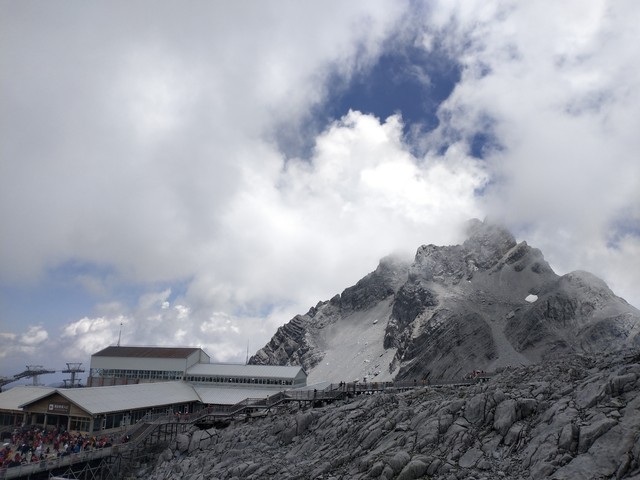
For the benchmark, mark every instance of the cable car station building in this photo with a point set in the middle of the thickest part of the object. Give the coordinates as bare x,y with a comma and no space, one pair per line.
126,383
117,365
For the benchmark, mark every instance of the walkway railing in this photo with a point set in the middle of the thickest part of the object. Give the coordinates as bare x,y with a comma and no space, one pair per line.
150,422
28,469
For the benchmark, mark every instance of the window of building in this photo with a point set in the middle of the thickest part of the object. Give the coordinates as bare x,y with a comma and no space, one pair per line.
80,424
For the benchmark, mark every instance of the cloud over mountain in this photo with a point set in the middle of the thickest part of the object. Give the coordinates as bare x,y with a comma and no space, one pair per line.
152,150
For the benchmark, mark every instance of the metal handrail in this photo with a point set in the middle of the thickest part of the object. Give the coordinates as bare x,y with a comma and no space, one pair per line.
150,422
57,462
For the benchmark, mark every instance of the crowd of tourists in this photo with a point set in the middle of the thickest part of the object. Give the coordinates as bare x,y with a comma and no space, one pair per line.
35,444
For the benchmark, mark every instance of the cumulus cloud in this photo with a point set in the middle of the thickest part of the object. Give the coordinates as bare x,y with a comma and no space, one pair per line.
34,336
560,103
146,116
296,233
361,182
20,349
137,155
88,335
6,340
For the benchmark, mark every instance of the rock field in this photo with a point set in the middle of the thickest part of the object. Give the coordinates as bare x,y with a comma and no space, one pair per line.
573,417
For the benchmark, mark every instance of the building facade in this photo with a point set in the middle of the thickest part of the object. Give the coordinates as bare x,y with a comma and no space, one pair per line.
126,383
116,365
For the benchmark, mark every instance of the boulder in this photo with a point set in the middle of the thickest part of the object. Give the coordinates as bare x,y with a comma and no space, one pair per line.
412,470
590,433
182,442
505,416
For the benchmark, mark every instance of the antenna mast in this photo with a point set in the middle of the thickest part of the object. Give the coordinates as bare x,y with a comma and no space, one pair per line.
120,334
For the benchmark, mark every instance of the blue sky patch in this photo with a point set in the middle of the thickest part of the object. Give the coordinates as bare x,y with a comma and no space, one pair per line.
626,226
66,288
406,80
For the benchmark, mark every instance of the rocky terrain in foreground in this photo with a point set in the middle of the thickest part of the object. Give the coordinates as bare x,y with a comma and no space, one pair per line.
574,417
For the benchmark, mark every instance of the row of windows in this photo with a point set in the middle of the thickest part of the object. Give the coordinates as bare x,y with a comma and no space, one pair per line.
120,419
241,380
10,418
141,374
81,424
177,375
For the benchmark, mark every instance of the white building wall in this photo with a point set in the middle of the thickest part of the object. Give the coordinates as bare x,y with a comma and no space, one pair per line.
197,357
134,363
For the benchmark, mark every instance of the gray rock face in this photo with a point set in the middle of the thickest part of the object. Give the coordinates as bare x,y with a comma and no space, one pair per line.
453,310
528,422
409,302
299,341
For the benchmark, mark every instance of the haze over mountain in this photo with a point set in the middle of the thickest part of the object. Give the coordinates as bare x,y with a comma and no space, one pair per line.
487,303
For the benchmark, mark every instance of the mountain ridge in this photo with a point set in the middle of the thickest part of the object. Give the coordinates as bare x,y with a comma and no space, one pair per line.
487,303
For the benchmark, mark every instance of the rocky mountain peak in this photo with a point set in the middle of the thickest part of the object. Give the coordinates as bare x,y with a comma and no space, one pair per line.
487,242
376,286
487,303
487,246
587,283
488,233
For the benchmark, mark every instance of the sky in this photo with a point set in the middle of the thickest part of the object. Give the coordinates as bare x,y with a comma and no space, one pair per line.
196,174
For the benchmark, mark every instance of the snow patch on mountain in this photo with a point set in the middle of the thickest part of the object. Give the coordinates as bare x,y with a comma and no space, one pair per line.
353,348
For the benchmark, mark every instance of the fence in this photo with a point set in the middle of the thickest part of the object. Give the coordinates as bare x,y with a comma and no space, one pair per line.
147,425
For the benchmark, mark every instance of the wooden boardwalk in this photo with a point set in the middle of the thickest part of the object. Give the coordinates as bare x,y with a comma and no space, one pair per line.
155,429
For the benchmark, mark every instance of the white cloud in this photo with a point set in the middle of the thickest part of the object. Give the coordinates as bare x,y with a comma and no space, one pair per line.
149,118
154,300
17,350
294,236
319,211
81,338
143,146
562,100
34,336
7,341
